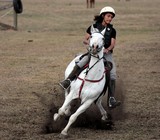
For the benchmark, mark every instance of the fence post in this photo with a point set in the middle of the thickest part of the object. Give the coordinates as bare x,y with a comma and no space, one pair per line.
18,8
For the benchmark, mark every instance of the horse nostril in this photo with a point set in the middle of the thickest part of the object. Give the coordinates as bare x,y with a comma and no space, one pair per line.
94,46
97,47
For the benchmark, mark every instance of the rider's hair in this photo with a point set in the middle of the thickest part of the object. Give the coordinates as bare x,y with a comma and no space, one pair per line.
98,18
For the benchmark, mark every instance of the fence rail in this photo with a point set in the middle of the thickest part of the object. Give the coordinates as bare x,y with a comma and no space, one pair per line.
6,0
6,7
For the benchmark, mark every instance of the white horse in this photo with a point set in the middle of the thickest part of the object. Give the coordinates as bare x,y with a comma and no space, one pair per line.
90,83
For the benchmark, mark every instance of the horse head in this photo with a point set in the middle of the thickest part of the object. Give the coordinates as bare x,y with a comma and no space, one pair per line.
96,43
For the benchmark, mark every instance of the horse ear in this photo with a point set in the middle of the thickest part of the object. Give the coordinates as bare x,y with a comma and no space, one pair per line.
94,30
103,32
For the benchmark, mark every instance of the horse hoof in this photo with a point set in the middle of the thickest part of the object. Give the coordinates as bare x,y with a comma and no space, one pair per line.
103,118
55,116
63,135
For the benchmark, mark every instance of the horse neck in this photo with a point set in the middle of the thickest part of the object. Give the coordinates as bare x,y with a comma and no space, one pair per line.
96,67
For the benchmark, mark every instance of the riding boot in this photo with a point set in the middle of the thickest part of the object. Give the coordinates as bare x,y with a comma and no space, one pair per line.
66,83
111,91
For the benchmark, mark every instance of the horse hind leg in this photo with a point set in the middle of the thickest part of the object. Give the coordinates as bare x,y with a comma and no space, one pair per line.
106,120
102,110
74,116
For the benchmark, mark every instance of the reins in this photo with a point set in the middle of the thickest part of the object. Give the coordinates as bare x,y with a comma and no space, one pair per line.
88,69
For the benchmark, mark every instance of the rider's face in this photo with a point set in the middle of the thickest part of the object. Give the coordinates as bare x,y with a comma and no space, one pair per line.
107,18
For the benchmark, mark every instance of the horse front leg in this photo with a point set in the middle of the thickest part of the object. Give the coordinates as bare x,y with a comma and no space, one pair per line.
102,110
68,111
65,109
74,116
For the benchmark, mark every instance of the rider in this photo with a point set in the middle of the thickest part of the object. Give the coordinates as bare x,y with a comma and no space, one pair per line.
102,21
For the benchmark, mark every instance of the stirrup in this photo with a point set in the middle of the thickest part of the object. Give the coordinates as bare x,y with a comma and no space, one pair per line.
65,84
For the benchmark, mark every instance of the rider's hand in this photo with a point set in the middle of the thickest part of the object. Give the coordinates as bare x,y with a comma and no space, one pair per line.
106,51
86,42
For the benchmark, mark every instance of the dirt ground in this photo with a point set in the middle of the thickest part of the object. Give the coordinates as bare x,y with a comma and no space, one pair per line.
33,60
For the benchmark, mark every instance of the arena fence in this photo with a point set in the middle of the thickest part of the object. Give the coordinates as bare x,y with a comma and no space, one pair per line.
8,6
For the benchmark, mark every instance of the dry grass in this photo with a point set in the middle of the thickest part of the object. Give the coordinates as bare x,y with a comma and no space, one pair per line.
50,33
